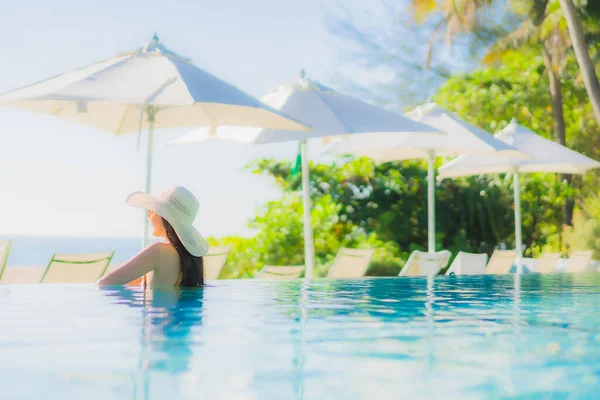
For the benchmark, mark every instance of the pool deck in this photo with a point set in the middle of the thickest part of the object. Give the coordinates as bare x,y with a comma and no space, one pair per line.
28,274
21,275
33,274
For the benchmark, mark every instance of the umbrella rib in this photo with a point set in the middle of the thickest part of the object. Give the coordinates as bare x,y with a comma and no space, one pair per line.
59,75
120,125
160,89
346,127
58,110
208,114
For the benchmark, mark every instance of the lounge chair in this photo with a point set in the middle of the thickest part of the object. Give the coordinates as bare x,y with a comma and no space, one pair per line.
350,263
5,246
546,263
76,268
214,261
579,261
468,264
501,262
422,263
280,273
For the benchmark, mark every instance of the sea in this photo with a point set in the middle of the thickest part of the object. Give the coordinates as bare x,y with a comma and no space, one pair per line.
37,250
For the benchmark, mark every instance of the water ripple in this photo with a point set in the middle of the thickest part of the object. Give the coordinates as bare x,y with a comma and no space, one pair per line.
477,337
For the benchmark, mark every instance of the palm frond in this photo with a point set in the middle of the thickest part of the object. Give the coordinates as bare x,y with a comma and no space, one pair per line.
524,34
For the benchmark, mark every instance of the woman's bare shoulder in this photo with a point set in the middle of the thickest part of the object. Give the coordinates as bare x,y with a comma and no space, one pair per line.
155,256
164,252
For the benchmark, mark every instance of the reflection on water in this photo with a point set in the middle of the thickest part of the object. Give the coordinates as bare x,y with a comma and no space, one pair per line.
168,316
475,337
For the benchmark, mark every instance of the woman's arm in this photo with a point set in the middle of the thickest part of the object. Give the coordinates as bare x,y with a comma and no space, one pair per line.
142,263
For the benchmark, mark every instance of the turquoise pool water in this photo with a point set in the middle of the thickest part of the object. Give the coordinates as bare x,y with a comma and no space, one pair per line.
478,337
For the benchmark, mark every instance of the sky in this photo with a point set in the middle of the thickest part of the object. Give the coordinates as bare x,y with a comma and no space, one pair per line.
63,179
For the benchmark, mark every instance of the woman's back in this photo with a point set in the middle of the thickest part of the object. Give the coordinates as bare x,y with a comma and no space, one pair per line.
167,271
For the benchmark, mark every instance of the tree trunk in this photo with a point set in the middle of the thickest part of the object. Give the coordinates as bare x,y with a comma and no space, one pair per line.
559,119
568,205
582,54
557,98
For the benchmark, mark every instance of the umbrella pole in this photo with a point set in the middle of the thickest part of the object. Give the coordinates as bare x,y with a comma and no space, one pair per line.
151,114
431,202
518,231
309,246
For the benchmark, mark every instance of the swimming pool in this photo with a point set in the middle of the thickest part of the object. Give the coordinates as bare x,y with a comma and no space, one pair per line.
475,337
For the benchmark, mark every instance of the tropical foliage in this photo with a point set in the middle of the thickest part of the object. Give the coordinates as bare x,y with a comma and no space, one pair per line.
528,71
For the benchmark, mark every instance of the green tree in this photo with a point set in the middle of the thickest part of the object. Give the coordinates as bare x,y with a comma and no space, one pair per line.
490,98
381,38
542,29
476,29
389,200
585,234
518,88
545,21
279,238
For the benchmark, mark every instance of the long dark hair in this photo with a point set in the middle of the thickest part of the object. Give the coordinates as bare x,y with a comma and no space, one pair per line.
192,267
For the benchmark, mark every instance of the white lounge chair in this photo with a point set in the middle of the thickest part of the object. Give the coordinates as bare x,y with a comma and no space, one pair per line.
214,261
468,264
501,262
280,273
579,261
350,263
546,263
5,246
76,268
422,263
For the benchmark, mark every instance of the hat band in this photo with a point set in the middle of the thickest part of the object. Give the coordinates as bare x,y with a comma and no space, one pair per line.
177,213
179,206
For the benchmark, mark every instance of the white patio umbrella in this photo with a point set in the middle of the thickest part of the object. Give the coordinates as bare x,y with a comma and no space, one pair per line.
329,114
545,156
147,88
460,138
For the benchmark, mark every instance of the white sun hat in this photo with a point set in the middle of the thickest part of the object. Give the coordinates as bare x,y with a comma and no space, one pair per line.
179,207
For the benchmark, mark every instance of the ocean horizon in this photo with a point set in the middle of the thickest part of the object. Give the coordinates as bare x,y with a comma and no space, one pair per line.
37,250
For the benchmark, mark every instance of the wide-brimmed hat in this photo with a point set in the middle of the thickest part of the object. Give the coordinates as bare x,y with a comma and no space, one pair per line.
179,207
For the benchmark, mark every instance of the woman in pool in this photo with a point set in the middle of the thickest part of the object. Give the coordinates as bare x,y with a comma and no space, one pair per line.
178,260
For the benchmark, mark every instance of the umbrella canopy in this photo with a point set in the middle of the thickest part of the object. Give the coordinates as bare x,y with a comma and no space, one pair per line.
329,114
545,156
460,138
110,95
147,88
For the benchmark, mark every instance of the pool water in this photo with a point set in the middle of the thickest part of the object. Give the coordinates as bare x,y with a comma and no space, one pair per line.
478,337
